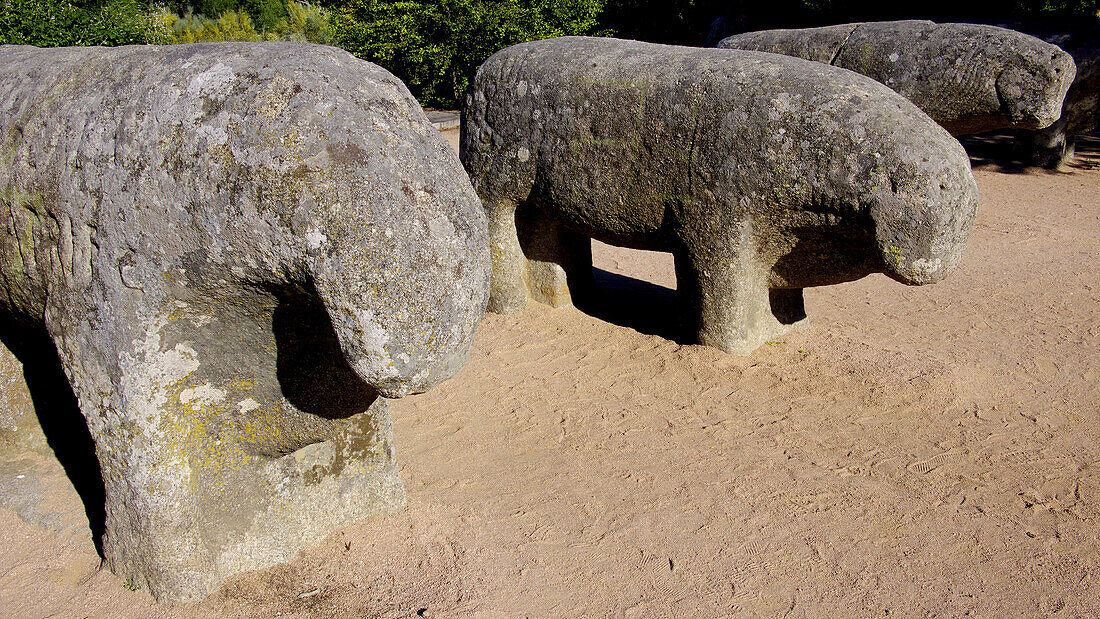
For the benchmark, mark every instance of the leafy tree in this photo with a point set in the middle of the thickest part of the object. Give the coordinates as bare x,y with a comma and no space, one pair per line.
303,23
51,23
229,26
266,14
435,46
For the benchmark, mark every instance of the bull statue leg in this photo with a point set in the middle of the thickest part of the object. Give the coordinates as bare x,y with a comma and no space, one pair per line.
535,257
558,260
723,281
508,288
1048,148
236,423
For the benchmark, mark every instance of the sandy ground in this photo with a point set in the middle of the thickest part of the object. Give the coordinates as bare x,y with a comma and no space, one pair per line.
914,451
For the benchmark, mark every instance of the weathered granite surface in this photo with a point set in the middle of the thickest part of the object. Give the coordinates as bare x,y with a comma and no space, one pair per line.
238,251
1054,145
19,428
970,78
762,174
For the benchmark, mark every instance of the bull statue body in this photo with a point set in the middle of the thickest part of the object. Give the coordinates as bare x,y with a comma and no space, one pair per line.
970,78
762,174
238,250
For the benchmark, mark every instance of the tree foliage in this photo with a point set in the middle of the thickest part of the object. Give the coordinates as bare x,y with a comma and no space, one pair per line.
306,24
52,23
265,14
303,23
437,45
229,26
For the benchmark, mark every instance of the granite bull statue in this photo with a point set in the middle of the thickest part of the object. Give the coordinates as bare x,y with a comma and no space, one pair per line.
969,78
763,174
1056,144
238,250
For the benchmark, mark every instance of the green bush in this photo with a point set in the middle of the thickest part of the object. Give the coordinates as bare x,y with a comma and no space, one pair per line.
303,23
52,23
435,46
229,26
265,14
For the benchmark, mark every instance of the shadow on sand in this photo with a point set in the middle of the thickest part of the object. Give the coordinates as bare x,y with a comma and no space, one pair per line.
59,415
634,303
996,150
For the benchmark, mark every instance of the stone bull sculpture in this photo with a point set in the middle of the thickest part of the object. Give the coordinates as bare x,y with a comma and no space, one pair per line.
762,174
238,250
1056,144
969,78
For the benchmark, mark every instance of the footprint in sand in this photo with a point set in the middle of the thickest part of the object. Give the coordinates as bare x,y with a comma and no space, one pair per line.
930,464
